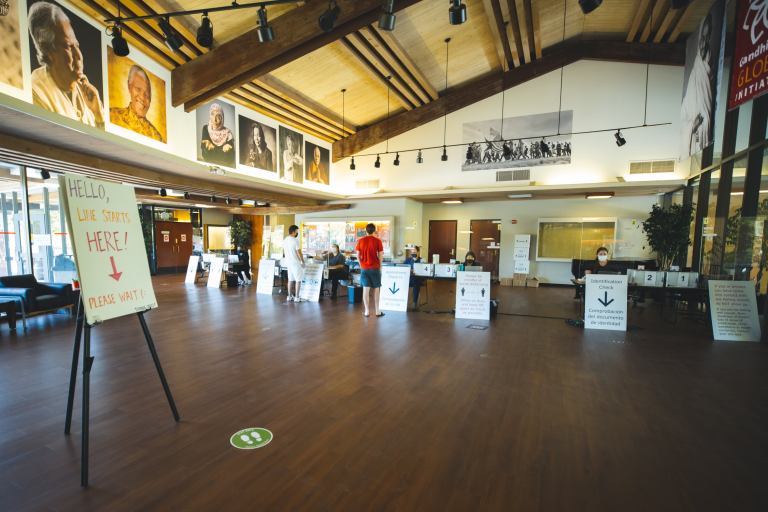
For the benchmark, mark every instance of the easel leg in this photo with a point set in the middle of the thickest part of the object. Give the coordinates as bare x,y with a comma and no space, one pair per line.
73,372
151,345
87,363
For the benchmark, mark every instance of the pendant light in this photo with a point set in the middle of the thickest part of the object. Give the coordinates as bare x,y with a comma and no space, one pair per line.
444,157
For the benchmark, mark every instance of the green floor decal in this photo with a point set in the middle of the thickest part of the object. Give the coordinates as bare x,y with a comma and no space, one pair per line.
250,438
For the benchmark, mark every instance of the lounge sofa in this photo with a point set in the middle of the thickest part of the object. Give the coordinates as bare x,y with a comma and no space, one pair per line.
35,298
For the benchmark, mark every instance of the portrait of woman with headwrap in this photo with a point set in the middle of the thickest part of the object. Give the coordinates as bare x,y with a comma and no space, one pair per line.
217,142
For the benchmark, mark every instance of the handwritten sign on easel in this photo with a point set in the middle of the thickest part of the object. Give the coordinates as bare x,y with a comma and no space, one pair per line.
109,249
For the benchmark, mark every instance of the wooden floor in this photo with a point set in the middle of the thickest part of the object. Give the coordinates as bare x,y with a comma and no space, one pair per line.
407,413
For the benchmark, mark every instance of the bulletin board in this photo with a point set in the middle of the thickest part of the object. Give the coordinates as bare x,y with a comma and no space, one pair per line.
565,239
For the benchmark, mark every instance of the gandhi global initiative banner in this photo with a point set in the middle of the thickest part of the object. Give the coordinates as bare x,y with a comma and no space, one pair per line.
749,71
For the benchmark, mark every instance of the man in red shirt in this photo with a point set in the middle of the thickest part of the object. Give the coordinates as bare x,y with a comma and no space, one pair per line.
370,254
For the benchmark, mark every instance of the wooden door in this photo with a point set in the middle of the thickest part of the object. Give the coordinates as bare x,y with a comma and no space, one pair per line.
183,238
442,240
165,248
485,235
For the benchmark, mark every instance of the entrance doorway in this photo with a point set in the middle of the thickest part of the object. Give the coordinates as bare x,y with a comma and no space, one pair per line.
174,245
442,239
484,242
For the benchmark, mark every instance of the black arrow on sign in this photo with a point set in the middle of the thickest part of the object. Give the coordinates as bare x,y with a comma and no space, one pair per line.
605,302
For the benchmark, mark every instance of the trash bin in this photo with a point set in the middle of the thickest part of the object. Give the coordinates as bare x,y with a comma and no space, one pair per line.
354,294
494,307
232,280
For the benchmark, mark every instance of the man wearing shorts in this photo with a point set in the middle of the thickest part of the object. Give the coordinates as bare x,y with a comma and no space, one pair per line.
370,254
295,262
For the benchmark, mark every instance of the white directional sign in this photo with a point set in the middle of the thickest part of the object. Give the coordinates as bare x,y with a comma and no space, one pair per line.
394,288
605,304
522,266
734,311
312,282
191,269
266,277
473,295
109,247
214,272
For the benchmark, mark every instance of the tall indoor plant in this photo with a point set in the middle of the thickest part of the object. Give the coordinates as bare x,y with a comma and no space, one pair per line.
241,233
668,233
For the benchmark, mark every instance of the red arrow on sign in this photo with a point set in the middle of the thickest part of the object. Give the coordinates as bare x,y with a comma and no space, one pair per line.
115,274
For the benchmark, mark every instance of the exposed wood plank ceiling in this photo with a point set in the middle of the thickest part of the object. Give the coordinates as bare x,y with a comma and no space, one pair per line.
500,35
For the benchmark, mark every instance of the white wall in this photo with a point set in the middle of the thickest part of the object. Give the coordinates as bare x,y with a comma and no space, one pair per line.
527,213
602,95
216,217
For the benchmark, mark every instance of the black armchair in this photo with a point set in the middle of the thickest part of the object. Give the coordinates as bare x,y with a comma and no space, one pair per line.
34,297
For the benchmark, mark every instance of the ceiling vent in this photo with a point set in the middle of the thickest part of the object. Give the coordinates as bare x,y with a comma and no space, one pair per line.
652,167
367,184
515,175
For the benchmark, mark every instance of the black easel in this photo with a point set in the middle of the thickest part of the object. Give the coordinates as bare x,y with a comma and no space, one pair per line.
83,330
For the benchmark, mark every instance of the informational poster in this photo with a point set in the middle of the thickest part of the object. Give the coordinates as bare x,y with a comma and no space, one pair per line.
108,246
749,73
312,282
191,269
521,253
522,266
522,240
605,303
473,295
734,311
265,279
214,272
394,288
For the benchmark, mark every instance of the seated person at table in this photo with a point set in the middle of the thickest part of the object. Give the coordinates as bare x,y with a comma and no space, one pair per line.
414,256
337,268
469,259
602,264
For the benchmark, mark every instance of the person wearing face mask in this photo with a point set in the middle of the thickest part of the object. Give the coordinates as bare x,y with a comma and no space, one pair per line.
470,259
60,84
415,282
602,263
337,268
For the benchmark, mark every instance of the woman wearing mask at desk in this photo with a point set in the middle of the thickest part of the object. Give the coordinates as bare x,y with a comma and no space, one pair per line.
602,263
336,268
414,256
469,259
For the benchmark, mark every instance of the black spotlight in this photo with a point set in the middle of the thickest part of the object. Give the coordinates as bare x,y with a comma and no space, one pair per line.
119,44
163,192
205,32
328,19
240,202
172,38
587,6
377,164
397,159
352,166
457,12
387,18
213,199
228,201
186,195
419,159
620,140
266,34
679,4
45,174
444,158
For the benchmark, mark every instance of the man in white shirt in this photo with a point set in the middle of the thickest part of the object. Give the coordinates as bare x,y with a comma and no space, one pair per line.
295,263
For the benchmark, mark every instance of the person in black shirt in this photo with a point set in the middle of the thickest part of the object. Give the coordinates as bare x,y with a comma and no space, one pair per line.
416,281
469,259
602,264
337,268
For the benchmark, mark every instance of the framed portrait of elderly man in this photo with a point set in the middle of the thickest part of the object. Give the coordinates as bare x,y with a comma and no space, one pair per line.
136,97
291,157
216,133
258,144
65,58
10,45
317,164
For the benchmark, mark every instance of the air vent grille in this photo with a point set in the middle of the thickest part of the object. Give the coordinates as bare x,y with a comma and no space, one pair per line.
652,167
515,175
367,184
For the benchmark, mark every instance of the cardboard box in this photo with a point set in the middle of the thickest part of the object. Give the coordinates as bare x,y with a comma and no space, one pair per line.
519,279
532,282
506,281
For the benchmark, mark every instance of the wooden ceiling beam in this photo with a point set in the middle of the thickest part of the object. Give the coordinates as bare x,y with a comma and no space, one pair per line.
640,15
151,195
296,34
514,27
657,13
406,62
530,31
535,26
665,24
499,32
676,30
483,87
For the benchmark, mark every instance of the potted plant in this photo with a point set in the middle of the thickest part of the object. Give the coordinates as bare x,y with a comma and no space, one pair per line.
668,233
241,234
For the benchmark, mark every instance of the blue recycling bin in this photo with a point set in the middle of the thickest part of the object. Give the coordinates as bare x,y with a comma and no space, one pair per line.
354,294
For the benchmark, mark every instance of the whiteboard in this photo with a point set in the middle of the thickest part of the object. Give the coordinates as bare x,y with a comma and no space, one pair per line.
108,244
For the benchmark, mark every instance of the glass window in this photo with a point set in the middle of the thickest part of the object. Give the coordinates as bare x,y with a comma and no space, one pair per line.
694,195
710,261
14,246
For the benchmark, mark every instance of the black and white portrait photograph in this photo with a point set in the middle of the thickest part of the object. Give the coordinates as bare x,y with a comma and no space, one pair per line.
258,144
216,134
291,155
523,141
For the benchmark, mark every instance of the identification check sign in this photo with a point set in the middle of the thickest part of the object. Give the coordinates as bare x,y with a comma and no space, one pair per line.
605,304
109,249
394,288
266,277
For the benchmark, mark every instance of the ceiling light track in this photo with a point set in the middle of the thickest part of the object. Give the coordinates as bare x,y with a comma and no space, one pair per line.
204,10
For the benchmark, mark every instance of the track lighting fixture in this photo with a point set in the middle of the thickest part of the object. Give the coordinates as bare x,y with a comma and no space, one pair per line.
228,200
444,158
163,192
387,18
620,140
205,32
377,164
186,195
266,34
328,19
457,12
213,199
172,38
419,158
397,159
240,202
679,4
45,174
587,6
352,166
119,44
